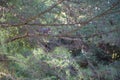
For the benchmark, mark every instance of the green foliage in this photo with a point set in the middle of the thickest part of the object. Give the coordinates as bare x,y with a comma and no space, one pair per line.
20,46
24,42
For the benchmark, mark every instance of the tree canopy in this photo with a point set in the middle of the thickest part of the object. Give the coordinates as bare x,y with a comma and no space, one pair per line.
59,39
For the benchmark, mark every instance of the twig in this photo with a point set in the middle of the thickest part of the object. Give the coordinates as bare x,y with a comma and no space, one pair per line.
33,17
59,36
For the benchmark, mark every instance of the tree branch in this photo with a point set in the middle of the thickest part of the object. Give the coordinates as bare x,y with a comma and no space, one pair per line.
33,17
81,23
95,17
59,36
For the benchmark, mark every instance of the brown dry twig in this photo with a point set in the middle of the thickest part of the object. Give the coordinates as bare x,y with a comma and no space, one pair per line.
33,17
59,36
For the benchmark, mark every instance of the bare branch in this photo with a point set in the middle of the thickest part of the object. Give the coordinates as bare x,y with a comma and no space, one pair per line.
33,17
95,17
81,23
26,35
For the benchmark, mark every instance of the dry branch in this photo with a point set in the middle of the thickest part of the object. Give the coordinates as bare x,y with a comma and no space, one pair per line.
33,17
59,36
